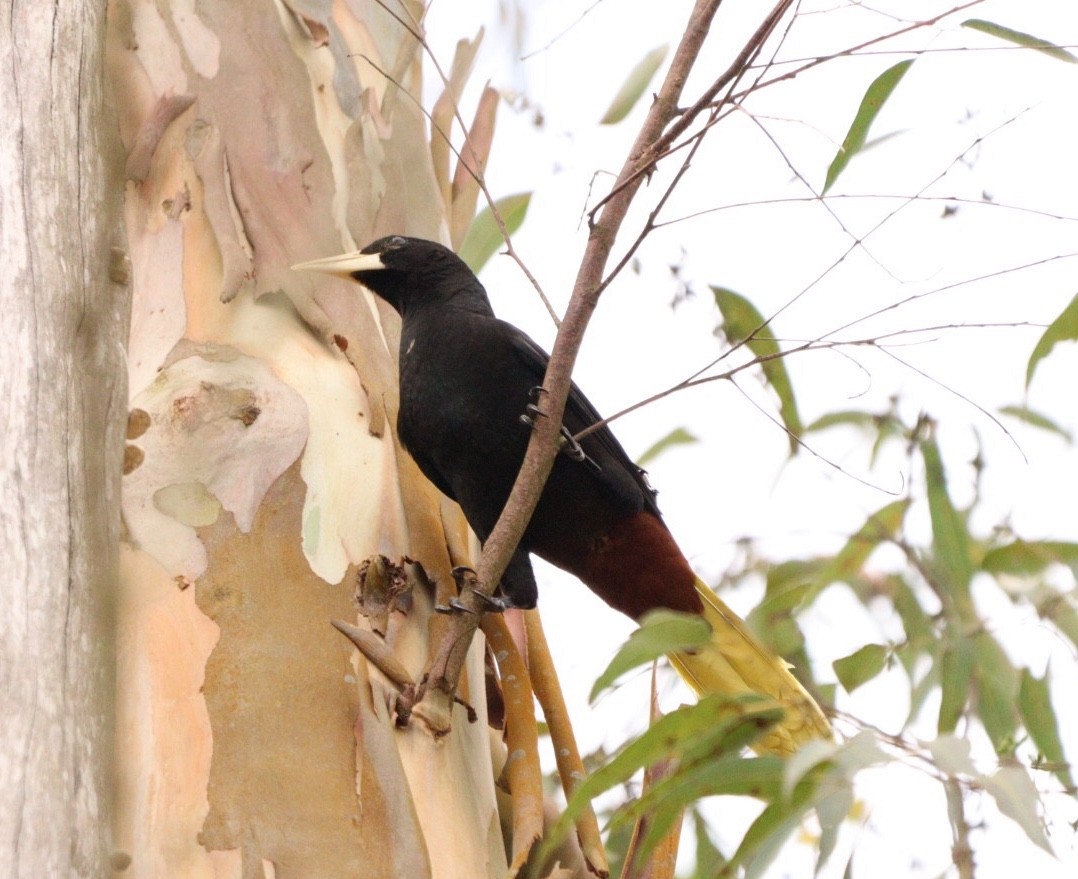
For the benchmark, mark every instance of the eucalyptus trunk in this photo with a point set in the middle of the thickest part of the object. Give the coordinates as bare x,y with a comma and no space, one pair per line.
262,474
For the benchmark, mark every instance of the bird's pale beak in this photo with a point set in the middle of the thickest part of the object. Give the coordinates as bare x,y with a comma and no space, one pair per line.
343,265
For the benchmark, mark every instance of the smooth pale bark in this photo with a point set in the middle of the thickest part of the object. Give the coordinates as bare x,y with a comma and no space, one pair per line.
63,302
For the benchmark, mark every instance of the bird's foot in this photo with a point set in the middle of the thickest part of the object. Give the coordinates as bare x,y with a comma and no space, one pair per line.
569,445
494,603
454,606
465,579
531,410
575,452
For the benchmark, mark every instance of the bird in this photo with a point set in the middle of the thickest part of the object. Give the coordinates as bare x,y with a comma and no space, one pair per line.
468,386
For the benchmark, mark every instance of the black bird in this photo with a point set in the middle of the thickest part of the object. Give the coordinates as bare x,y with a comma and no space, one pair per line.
466,378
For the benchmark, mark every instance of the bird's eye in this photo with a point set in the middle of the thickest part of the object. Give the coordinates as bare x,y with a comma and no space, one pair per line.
395,242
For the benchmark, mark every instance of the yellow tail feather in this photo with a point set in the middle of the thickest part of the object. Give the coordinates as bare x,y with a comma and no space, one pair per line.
735,663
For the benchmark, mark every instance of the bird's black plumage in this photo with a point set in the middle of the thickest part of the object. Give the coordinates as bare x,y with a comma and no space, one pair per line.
465,380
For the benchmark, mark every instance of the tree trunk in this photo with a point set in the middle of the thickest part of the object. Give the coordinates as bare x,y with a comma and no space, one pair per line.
62,383
263,475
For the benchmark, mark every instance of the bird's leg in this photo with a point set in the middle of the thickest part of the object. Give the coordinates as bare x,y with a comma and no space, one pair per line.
568,445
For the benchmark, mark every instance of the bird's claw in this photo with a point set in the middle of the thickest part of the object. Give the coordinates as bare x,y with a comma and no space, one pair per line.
494,603
461,574
569,445
466,579
575,452
455,606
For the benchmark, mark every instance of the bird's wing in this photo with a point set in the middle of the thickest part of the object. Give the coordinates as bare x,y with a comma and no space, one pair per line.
602,446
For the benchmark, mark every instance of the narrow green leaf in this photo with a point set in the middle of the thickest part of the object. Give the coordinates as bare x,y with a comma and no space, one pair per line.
660,632
767,834
997,691
484,237
733,775
1023,558
1039,718
716,725
845,418
1036,419
950,536
871,104
1063,329
1061,609
634,86
741,321
679,436
880,527
860,666
709,858
1019,38
956,674
1017,798
920,630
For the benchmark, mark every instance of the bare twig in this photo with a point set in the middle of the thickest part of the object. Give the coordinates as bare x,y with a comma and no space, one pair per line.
961,851
685,118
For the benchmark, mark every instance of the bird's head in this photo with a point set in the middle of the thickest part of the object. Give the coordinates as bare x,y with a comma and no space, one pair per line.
408,273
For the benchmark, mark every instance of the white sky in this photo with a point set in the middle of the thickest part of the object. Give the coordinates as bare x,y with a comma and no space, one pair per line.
737,481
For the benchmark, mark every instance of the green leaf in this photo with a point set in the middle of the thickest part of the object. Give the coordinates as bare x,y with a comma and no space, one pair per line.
860,666
1063,329
484,237
1039,718
997,691
1021,39
920,631
775,824
1017,798
1036,419
679,436
741,322
1023,558
709,859
950,537
733,775
1062,610
956,674
660,632
880,527
715,726
871,104
634,86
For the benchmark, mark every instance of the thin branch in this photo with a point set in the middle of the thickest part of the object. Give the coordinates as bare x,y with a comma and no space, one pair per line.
543,444
961,850
685,118
881,196
854,50
800,346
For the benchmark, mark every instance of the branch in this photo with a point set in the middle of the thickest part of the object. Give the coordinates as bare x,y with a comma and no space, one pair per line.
543,445
544,442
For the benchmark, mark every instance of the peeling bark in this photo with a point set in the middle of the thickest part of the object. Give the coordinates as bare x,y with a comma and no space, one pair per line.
253,739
